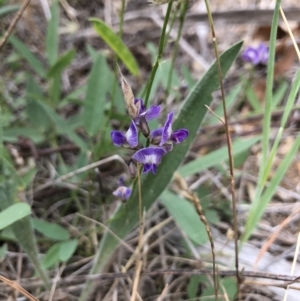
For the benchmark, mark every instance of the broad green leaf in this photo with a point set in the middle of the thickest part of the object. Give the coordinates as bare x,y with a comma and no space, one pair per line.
52,256
35,64
67,249
216,157
116,44
51,230
185,216
13,213
22,228
7,9
62,63
93,116
52,34
190,117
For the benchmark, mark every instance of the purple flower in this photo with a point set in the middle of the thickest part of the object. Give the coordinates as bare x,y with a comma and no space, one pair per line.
122,191
165,135
129,139
256,55
150,157
152,113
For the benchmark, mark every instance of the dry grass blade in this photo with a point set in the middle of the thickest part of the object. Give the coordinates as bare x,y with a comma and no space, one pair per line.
18,288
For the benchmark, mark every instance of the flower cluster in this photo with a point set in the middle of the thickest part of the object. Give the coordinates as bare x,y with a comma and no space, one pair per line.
256,55
161,139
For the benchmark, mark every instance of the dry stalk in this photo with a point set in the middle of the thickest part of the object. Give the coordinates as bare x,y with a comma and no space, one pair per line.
139,262
189,195
14,23
229,145
18,288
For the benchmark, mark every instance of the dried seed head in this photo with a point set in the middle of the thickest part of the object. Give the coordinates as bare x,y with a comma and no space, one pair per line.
133,109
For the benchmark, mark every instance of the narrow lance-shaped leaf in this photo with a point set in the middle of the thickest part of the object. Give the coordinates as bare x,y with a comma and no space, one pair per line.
190,117
35,64
93,115
22,229
52,34
62,63
13,213
116,44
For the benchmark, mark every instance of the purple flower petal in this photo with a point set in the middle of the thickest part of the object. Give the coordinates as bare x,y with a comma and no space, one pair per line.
142,106
152,113
156,133
122,192
263,51
167,129
118,138
132,135
251,55
150,157
179,135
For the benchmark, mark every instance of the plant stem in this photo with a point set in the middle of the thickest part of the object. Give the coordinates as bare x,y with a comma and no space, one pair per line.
229,145
160,51
184,7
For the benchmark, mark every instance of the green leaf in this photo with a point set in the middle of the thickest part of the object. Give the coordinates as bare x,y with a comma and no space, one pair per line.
93,117
52,256
67,249
28,55
185,216
51,230
36,115
13,213
259,205
52,34
22,228
190,117
13,134
3,250
116,44
62,63
216,157
7,9
62,126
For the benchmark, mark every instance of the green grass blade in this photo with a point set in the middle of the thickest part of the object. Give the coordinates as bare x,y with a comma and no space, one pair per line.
52,37
94,117
13,213
62,63
61,125
116,44
190,117
269,87
35,64
7,9
259,206
216,157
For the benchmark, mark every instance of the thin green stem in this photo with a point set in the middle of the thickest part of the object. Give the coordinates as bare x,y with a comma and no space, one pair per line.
266,126
184,6
160,51
269,88
230,154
